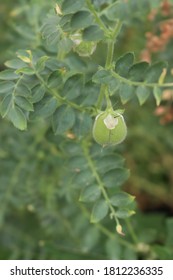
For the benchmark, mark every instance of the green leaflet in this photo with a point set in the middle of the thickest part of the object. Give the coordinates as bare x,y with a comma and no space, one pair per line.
17,117
38,93
5,87
23,103
123,64
15,63
99,211
50,30
102,76
122,199
126,92
115,178
158,95
93,33
118,10
124,213
55,79
83,124
73,86
154,71
90,193
44,108
40,65
63,119
70,6
142,93
138,71
81,19
109,162
8,75
6,104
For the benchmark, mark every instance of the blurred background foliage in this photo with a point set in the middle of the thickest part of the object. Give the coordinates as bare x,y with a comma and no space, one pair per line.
38,220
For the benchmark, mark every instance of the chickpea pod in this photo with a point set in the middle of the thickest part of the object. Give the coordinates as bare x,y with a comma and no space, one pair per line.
109,128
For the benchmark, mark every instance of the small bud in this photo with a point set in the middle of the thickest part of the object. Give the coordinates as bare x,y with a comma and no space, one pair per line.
120,230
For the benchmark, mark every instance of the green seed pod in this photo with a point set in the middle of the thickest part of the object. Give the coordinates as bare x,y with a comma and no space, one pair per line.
109,128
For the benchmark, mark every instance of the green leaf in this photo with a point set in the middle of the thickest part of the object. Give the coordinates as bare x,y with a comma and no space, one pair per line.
53,64
93,33
6,105
17,117
122,199
22,90
124,213
40,65
65,44
100,210
109,162
158,95
116,177
6,86
73,86
118,10
90,94
23,103
90,194
15,63
83,178
102,77
63,119
138,70
81,20
51,30
75,163
126,92
71,6
8,75
26,71
83,124
142,93
55,79
38,93
45,108
123,64
154,71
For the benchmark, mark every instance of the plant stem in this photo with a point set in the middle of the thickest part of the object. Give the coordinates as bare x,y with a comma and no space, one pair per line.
61,99
131,231
134,83
107,232
99,181
111,44
108,63
97,18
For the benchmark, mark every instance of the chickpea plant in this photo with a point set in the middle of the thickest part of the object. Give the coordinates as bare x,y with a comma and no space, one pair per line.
61,83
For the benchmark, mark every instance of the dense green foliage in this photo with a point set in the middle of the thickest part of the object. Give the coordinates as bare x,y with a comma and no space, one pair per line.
62,194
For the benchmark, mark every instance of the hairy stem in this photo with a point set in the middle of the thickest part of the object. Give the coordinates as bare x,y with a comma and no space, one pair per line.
100,183
97,18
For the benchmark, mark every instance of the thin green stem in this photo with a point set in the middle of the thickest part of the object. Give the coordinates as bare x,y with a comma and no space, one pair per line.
131,231
108,63
111,44
110,53
107,232
97,18
101,96
100,183
61,99
134,83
